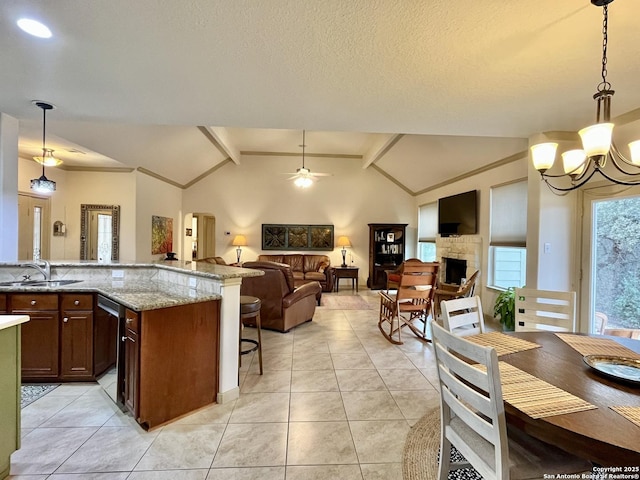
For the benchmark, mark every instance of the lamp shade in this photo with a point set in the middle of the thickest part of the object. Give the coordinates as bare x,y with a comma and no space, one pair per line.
239,241
344,242
48,159
543,155
596,139
634,147
574,162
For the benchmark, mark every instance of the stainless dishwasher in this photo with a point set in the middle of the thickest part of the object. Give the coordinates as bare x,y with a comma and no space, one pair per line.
118,311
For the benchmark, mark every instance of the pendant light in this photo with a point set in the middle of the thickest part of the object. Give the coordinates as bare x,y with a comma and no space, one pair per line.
43,184
597,142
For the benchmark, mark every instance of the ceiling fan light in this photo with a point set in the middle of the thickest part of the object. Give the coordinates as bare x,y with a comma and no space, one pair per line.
596,139
543,155
303,182
634,147
574,162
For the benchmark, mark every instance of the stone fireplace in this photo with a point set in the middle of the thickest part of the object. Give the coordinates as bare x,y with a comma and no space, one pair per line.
465,248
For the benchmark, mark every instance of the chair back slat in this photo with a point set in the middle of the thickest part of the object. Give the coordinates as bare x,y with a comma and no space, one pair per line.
463,316
545,310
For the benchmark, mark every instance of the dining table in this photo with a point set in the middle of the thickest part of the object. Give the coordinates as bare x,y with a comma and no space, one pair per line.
599,433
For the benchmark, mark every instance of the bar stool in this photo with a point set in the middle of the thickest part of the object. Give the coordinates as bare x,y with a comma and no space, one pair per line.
250,308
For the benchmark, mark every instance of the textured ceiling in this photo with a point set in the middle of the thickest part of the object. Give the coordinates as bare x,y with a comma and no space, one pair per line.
132,79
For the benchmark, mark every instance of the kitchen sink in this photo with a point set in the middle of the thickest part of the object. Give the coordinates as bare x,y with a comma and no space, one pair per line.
38,283
51,283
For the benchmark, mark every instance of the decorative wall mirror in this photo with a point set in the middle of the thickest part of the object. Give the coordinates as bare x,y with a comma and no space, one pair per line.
99,232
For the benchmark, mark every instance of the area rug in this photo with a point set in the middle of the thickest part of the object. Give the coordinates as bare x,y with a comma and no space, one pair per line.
421,450
344,302
31,393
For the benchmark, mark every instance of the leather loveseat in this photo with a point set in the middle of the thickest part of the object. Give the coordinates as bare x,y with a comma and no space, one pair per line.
284,305
306,268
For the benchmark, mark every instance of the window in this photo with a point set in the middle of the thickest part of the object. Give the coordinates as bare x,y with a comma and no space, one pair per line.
427,231
507,248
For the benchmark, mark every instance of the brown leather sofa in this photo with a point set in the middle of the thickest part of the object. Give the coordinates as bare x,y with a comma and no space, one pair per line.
306,268
284,305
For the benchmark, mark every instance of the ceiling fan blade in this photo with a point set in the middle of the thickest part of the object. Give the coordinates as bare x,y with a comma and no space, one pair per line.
321,174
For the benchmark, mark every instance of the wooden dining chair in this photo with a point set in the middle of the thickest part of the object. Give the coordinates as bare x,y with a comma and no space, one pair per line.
472,418
463,316
545,310
600,324
445,291
411,306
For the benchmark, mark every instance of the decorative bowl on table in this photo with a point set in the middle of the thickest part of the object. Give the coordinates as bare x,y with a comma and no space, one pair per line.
618,368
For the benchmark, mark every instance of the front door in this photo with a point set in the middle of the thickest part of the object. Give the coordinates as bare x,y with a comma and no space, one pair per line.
33,227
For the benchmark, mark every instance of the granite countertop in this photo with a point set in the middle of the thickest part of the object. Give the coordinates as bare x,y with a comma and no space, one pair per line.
136,295
7,321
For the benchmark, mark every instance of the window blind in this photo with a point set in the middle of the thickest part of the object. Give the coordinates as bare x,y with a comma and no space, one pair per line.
509,215
428,222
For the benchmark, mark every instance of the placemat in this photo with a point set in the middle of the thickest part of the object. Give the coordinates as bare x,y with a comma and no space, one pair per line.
504,344
630,413
596,346
536,397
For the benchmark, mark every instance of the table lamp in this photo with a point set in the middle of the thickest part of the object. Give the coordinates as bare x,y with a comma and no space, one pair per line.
344,243
239,241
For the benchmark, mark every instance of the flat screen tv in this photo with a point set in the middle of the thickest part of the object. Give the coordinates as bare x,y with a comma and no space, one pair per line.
458,214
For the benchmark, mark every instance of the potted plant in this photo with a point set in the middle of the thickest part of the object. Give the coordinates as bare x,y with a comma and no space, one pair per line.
505,308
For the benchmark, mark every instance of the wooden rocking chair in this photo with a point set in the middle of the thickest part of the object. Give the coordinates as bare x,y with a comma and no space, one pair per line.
411,305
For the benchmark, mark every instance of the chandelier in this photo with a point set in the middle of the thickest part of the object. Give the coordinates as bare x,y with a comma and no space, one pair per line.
43,184
598,147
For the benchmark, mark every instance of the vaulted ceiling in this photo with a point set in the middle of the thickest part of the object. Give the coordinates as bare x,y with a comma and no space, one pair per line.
424,91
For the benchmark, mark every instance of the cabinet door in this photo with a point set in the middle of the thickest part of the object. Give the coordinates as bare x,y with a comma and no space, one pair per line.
76,355
40,345
131,371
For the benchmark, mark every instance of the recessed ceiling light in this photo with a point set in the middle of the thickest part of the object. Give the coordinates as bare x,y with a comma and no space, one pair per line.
35,28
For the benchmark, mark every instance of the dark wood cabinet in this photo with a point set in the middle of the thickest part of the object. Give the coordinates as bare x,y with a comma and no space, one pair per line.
3,303
76,337
40,335
131,361
386,251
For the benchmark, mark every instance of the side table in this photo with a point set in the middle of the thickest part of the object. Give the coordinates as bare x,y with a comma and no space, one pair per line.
346,272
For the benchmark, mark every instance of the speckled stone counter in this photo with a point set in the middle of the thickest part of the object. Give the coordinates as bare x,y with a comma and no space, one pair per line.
137,286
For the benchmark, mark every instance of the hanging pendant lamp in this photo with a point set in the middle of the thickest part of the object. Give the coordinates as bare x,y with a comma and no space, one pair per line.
43,184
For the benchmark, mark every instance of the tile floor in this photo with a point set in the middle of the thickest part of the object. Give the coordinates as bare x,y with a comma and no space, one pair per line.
335,402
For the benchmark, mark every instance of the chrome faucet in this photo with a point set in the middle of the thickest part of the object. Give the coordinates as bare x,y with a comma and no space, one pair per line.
44,270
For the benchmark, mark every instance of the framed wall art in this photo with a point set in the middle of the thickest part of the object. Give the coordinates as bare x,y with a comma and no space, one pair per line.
297,237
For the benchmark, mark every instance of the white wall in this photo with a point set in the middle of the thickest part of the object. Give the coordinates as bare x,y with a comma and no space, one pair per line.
243,197
8,187
155,197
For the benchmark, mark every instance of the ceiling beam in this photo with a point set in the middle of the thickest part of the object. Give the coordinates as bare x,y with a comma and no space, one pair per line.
380,148
219,137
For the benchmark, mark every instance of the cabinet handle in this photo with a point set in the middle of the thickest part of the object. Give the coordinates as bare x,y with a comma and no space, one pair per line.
33,302
129,320
65,319
76,302
124,339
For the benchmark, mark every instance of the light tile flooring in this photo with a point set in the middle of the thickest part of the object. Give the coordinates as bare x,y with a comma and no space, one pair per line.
335,402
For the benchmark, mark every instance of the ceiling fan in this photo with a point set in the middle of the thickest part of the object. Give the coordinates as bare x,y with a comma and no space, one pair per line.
304,178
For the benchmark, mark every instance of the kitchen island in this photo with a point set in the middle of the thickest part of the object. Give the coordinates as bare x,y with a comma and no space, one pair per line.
177,343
